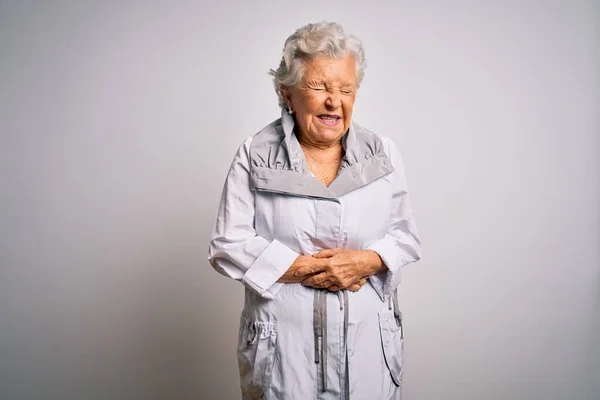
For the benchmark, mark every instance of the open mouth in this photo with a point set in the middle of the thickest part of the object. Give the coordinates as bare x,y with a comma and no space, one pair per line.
329,119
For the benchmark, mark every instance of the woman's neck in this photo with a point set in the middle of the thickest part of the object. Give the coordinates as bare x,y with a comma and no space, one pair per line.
323,161
323,154
321,151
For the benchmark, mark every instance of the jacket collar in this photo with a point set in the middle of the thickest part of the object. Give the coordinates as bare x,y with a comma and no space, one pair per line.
287,172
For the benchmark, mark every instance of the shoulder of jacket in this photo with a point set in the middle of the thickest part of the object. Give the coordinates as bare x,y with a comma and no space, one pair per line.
267,135
380,142
371,141
272,133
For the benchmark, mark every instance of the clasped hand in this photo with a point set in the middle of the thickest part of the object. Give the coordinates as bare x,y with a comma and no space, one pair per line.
334,269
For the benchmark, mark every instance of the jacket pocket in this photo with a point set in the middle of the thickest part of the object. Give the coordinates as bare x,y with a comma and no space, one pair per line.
392,342
256,355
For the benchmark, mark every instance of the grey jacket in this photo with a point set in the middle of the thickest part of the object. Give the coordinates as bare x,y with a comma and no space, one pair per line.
297,342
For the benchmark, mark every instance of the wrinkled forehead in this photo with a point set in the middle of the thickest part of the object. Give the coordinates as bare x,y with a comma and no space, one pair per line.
335,70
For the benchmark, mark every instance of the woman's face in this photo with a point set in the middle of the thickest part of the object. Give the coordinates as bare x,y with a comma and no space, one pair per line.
322,101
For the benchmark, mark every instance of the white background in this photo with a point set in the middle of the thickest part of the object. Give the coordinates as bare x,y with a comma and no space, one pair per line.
118,122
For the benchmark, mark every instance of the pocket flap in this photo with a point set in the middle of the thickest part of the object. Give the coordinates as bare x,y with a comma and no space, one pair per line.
392,344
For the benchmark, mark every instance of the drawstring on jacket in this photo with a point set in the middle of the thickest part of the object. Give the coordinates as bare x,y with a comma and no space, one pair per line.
320,331
320,326
397,313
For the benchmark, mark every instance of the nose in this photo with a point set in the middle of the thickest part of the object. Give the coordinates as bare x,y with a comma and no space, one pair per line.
334,100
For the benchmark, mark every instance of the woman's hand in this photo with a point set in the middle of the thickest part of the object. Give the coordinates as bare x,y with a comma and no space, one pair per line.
302,263
341,269
353,288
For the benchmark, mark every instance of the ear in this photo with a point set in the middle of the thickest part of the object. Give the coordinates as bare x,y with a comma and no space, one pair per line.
287,95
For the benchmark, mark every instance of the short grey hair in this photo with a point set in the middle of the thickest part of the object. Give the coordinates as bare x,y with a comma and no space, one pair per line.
321,39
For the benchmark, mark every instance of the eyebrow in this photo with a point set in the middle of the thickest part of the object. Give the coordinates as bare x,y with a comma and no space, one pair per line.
320,81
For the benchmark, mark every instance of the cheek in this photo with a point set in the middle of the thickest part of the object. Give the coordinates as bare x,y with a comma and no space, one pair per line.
348,107
348,103
314,104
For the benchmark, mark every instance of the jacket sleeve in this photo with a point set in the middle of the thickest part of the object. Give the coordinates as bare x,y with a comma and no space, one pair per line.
401,244
235,249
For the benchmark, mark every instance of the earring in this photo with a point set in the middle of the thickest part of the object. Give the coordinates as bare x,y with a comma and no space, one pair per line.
290,111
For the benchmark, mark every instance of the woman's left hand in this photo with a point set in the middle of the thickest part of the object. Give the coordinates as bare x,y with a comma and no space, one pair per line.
345,269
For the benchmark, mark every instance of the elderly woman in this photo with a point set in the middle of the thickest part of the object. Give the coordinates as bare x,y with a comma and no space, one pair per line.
315,221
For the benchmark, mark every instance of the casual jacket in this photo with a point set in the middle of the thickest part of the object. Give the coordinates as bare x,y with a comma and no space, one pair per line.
297,342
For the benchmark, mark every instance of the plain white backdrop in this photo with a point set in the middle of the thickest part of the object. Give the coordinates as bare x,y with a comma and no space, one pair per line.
118,121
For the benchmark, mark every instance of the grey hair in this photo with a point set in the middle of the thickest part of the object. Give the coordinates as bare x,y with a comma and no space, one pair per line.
321,39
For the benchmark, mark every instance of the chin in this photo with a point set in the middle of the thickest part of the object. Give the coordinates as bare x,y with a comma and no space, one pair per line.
330,134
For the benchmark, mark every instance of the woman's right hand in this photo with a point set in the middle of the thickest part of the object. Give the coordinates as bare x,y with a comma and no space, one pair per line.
344,269
315,263
301,262
355,287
